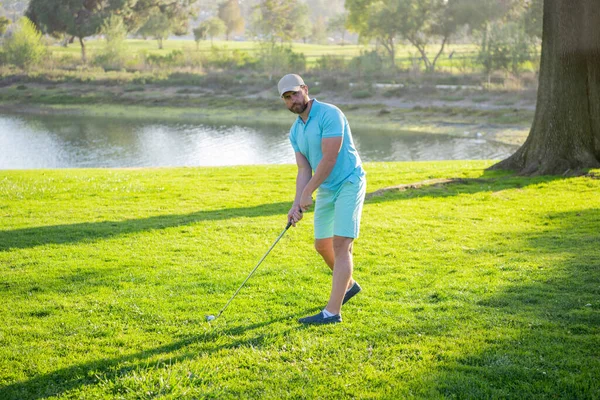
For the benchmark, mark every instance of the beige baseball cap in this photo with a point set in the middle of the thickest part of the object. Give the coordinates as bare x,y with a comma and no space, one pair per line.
290,83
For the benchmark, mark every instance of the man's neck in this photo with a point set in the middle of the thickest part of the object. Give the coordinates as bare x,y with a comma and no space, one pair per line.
305,113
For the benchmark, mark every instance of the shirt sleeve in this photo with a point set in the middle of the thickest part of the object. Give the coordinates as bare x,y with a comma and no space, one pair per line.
292,137
333,123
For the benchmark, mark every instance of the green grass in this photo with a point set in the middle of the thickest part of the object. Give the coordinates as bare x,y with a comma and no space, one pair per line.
488,287
312,52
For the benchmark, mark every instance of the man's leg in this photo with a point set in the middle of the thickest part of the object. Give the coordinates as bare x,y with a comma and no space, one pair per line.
342,273
325,248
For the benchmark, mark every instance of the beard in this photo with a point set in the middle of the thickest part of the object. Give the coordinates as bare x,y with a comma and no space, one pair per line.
298,108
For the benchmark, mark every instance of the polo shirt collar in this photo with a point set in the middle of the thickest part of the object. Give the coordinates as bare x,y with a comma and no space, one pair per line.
314,109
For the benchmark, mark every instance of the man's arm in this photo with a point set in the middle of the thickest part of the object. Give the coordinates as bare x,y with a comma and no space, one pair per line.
302,178
330,148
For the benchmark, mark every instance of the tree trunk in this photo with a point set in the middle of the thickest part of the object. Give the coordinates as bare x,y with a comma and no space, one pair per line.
83,56
439,53
565,135
390,46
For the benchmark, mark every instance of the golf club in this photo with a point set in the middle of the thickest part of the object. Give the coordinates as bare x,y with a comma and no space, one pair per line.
212,317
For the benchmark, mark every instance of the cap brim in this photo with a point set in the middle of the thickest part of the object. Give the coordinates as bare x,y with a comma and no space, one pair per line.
290,89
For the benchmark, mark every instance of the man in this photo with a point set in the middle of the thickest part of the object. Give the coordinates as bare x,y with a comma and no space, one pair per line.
328,161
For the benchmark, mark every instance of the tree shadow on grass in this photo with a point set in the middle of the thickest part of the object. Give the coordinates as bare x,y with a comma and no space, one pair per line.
61,381
489,181
545,337
89,231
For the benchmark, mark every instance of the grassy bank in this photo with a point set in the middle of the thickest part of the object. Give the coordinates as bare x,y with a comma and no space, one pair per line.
484,287
312,52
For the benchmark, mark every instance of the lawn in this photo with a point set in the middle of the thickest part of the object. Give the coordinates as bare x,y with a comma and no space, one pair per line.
487,286
312,52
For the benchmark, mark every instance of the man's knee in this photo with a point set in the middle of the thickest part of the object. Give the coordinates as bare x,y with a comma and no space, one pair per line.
342,244
323,245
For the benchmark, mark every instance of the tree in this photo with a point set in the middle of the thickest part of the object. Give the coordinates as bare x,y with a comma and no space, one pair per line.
533,18
199,34
82,19
112,55
565,134
375,20
4,23
337,24
272,21
303,27
325,8
416,21
14,9
319,31
157,26
504,45
231,14
24,47
214,27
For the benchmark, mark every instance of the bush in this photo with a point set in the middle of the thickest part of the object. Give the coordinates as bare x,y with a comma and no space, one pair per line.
329,63
505,46
113,55
361,94
172,59
277,60
395,92
24,47
314,90
225,59
333,83
368,64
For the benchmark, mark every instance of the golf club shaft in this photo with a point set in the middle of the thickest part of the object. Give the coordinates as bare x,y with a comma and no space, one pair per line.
255,268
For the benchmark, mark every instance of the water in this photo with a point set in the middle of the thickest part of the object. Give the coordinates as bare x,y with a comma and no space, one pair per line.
28,142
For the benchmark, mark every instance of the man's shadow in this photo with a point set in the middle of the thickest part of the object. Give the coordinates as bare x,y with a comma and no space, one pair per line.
75,376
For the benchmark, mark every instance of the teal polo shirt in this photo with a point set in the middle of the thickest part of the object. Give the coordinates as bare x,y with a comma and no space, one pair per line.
327,121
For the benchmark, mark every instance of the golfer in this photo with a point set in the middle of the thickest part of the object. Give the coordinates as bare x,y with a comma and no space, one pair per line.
329,164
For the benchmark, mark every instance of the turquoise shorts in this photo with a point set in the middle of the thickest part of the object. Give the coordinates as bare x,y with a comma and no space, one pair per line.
338,212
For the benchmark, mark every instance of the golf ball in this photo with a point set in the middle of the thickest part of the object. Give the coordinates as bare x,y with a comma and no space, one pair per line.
210,317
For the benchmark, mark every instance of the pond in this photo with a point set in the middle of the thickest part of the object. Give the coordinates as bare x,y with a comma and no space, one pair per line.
29,142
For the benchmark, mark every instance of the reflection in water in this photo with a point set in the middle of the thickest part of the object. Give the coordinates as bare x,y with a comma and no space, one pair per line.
74,142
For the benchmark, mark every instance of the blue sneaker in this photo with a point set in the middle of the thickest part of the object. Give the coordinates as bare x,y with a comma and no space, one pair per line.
353,291
321,319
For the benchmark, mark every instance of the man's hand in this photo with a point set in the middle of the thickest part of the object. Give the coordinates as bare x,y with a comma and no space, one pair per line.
306,200
295,214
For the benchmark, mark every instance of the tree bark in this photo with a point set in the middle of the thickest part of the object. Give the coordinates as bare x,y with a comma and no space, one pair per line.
565,135
83,56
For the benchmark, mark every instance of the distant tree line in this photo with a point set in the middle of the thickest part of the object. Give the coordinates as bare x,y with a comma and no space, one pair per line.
507,32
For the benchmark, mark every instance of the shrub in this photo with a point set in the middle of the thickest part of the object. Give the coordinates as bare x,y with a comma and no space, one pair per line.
172,59
276,60
361,94
236,59
24,47
113,55
368,64
333,83
331,63
314,90
395,92
505,46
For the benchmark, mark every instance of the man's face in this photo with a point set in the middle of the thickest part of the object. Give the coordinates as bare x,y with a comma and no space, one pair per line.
296,102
